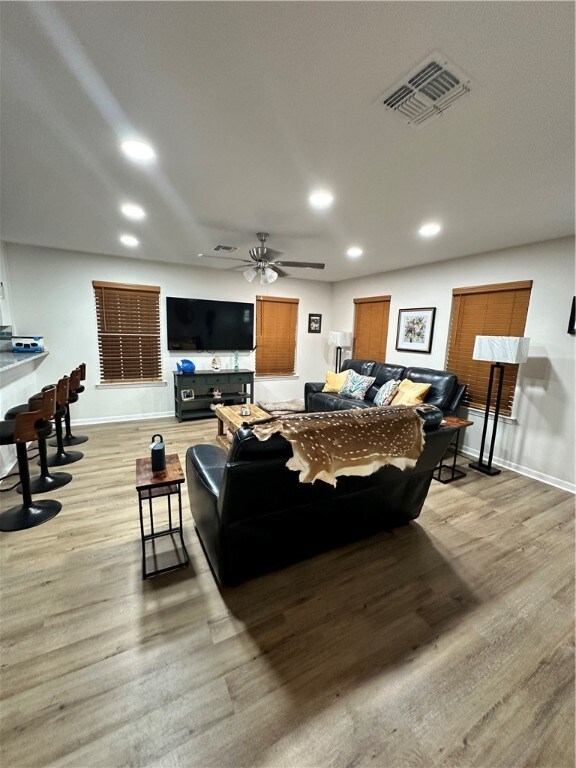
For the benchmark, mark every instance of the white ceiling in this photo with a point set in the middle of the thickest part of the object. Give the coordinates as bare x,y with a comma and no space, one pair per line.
251,105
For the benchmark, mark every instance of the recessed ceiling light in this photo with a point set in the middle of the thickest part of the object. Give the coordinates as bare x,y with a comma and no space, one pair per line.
133,211
321,199
138,151
129,241
354,252
430,229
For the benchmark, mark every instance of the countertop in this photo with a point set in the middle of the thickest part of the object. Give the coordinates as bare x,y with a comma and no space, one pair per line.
14,359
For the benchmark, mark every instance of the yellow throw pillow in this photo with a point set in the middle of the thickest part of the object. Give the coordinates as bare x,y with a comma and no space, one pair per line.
410,393
335,381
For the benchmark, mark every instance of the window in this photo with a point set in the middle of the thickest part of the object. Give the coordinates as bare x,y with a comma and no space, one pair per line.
485,310
276,326
128,332
371,327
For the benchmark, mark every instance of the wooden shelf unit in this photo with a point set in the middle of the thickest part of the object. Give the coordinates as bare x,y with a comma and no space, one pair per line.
236,387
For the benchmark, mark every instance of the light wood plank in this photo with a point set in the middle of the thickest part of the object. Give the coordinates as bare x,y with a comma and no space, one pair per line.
449,642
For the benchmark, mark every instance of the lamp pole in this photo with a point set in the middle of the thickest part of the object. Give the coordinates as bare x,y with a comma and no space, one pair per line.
487,469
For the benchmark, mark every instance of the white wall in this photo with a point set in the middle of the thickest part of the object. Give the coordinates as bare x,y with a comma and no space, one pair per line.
52,296
539,439
5,303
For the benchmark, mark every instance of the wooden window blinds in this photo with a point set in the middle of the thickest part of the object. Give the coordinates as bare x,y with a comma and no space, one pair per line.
371,316
485,310
276,327
128,319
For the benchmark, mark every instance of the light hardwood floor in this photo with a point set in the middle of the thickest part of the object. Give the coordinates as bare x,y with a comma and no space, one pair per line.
446,643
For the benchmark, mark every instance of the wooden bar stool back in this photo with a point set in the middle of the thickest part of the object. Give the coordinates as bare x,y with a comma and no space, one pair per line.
75,388
46,481
62,457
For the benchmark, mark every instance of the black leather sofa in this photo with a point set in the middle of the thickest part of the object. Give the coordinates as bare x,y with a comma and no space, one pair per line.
445,393
253,515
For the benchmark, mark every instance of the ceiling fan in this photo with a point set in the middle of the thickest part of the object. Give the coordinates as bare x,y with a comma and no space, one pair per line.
264,261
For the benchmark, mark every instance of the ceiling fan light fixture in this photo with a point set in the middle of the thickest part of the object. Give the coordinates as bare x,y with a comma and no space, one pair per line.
250,274
268,275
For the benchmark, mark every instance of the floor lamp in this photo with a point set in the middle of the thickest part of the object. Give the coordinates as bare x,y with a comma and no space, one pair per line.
341,340
496,350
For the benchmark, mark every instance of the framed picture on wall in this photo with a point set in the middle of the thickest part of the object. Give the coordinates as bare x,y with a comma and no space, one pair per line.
415,329
314,323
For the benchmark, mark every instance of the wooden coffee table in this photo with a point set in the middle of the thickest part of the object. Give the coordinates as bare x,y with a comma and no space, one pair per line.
230,418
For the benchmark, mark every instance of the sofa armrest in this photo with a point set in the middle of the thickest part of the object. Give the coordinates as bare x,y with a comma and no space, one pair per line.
430,415
205,465
456,401
310,387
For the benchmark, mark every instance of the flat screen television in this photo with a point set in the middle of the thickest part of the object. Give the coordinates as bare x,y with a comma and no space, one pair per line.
204,325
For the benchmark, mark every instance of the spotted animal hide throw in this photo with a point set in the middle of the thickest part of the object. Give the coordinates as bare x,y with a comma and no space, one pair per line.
355,442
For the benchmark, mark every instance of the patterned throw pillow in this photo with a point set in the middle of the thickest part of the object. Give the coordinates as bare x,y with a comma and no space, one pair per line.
356,386
410,393
386,393
335,381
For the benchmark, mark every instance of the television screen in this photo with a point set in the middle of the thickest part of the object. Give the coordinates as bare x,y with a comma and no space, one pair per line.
205,325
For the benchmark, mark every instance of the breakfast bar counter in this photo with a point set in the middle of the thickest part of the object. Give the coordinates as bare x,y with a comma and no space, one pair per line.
14,359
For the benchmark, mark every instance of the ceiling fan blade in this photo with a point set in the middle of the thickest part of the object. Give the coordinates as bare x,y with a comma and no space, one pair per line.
308,264
225,258
272,254
279,272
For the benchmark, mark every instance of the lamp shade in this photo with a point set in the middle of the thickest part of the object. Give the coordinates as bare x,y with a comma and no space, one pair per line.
501,349
340,339
268,276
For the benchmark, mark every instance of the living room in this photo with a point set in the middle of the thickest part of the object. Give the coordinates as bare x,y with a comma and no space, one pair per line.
502,185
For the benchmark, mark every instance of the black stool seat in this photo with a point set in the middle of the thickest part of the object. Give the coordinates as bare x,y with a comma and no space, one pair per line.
46,481
24,427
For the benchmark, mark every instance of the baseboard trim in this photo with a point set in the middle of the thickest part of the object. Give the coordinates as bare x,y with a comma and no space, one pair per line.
548,479
113,419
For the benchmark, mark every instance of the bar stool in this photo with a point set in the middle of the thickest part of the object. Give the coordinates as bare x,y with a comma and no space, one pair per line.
45,481
62,457
28,426
77,376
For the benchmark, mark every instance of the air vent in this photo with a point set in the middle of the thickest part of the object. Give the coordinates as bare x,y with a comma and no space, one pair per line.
225,248
427,91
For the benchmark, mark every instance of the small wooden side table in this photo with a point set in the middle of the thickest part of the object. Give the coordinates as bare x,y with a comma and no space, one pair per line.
453,473
151,485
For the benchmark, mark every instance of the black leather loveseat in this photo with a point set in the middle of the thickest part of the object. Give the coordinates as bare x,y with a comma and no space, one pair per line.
445,393
253,515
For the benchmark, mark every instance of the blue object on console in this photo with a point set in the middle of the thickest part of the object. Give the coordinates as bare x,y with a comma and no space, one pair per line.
185,366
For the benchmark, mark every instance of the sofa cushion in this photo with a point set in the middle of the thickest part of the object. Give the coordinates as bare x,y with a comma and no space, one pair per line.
384,372
356,385
443,385
386,393
335,381
363,367
410,393
326,401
